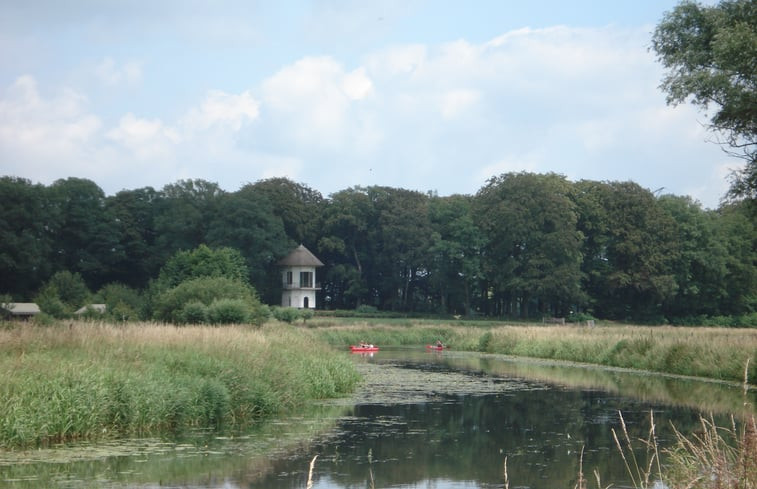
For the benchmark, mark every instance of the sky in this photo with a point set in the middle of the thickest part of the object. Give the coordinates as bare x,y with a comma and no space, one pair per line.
435,96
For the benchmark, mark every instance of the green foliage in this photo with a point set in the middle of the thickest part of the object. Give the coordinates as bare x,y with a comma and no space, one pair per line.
169,305
484,343
245,221
579,317
50,304
526,245
203,262
69,288
193,313
214,402
530,229
285,314
89,384
710,53
122,303
306,314
229,311
25,242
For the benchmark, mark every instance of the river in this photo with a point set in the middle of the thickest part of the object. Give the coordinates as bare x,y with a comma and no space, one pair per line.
443,420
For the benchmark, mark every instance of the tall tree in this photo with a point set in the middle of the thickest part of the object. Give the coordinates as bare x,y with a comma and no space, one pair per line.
633,247
133,212
86,240
700,266
244,220
344,247
711,56
26,225
738,228
298,206
533,250
400,243
184,214
455,252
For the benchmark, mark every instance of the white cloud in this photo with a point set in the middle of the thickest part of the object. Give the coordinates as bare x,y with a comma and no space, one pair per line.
145,139
581,102
455,102
310,102
35,129
219,108
110,73
357,85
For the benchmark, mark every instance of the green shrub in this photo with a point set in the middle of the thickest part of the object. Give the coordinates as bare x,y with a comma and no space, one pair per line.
579,317
122,303
306,314
170,304
286,314
194,313
69,288
229,311
121,312
50,304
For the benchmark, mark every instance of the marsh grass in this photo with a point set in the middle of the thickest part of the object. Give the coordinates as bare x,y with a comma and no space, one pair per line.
715,353
89,380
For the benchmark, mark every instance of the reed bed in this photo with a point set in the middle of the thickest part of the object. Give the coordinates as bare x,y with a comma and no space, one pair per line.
88,380
715,353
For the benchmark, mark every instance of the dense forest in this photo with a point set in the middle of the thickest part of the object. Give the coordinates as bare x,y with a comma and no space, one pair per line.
524,246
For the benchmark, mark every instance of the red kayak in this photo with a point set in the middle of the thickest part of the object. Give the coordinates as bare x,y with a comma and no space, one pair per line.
361,349
434,347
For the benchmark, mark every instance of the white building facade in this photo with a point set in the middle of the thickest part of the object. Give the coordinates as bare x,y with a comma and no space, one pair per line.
299,283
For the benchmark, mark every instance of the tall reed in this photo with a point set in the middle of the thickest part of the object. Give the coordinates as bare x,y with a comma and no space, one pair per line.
716,353
88,380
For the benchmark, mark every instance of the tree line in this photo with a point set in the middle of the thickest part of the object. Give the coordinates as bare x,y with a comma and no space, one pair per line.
524,246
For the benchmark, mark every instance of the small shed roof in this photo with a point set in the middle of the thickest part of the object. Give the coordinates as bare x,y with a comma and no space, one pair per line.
300,257
21,308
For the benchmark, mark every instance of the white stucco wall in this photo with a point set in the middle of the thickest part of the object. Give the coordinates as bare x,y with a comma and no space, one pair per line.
294,296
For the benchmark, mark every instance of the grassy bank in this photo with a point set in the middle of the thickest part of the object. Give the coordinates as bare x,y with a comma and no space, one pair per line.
87,380
716,353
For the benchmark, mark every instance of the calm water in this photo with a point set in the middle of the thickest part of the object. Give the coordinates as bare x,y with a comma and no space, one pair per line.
424,420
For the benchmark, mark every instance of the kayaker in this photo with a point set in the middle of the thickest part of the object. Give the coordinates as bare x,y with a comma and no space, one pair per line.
439,344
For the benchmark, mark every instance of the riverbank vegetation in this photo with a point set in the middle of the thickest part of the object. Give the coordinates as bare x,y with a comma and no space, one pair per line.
85,380
715,353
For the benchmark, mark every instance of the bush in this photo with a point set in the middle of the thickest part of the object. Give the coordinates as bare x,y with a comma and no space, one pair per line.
229,311
122,302
50,304
579,317
306,314
286,314
205,290
194,313
69,288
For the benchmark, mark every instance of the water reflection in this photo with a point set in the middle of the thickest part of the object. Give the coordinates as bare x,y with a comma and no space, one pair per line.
533,414
422,420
